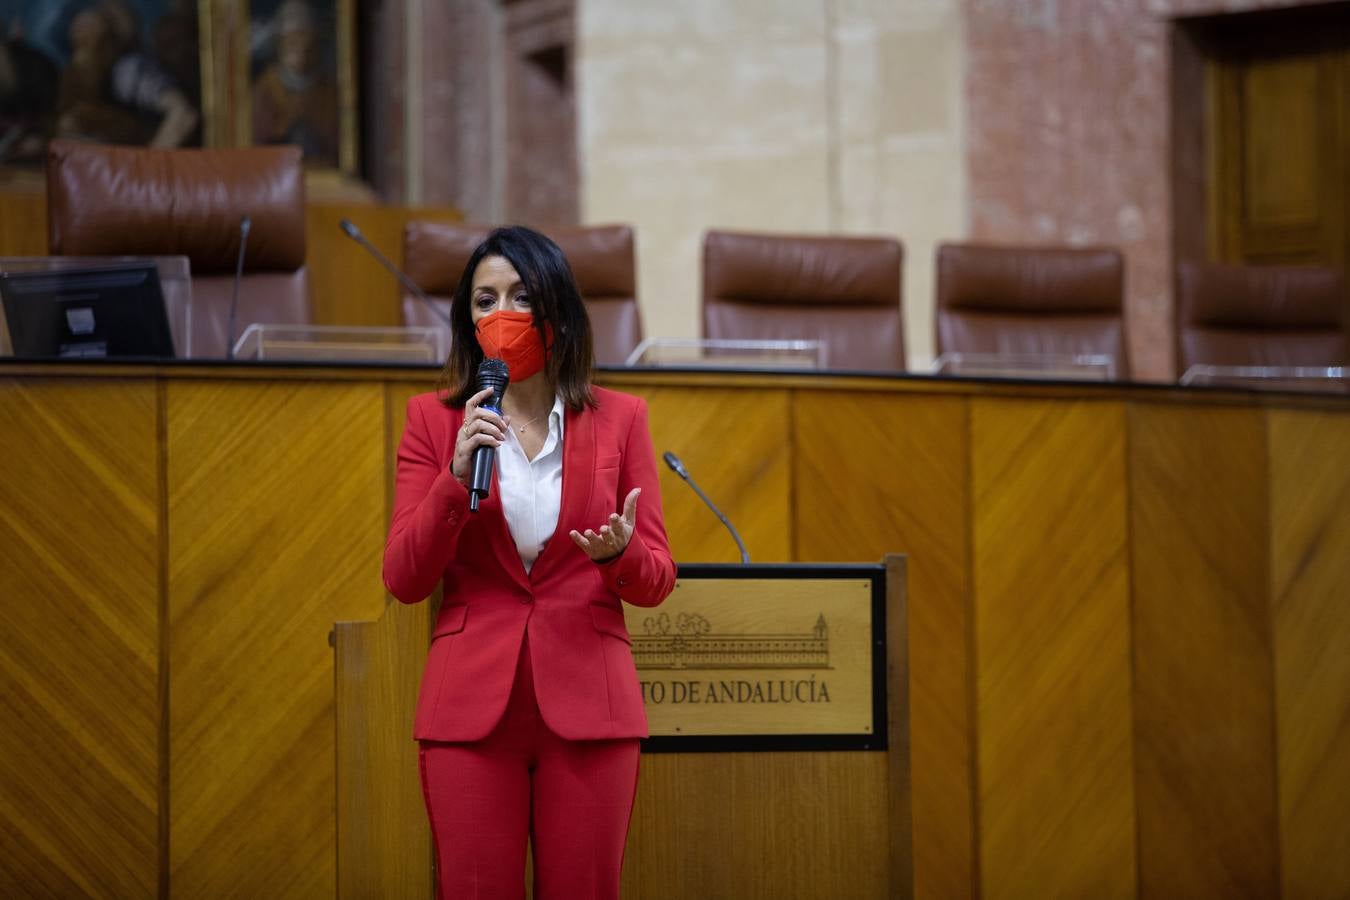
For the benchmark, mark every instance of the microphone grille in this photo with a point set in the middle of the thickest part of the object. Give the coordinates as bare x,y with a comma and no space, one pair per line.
493,373
674,463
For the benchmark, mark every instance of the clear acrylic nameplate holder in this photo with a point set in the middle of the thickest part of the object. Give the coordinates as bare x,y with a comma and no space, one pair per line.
175,284
1320,379
1051,367
716,353
405,345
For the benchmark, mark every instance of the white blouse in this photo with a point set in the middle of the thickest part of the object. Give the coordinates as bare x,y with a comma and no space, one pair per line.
532,488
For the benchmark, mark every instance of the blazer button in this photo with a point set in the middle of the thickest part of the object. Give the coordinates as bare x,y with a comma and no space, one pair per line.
623,582
526,599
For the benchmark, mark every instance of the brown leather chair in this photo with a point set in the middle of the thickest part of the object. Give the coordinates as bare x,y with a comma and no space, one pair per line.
1239,315
133,201
1031,301
602,258
843,291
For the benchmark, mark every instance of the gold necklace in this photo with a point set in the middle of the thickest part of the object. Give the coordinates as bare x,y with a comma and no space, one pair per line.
521,428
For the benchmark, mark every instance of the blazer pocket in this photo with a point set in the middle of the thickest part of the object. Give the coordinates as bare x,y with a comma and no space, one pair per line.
451,621
608,620
608,461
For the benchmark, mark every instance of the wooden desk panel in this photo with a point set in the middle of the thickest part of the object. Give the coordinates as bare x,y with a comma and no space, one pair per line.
1310,617
1051,649
80,539
877,473
276,505
1203,692
1042,738
735,444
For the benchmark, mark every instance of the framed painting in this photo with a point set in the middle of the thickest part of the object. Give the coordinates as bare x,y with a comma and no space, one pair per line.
298,57
112,71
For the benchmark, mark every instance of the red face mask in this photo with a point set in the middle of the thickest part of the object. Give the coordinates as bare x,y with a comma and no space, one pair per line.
511,337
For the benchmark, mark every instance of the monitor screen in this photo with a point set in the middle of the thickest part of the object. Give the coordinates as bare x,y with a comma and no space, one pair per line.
96,312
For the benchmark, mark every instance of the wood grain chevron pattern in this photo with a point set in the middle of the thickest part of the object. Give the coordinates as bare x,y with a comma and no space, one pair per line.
1051,649
80,618
276,499
1310,590
897,483
735,445
1202,667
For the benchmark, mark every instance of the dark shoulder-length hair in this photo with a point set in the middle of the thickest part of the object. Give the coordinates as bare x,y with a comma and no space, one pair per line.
554,301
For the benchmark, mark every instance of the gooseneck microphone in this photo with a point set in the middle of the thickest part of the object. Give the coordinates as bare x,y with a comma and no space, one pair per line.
355,234
678,468
245,223
492,373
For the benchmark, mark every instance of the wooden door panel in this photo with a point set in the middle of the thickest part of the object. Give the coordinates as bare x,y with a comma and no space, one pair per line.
1280,145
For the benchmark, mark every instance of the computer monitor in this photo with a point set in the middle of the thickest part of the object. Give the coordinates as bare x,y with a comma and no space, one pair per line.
95,312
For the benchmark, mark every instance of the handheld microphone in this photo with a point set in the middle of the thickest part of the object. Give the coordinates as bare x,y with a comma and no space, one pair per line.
492,373
678,468
245,223
355,234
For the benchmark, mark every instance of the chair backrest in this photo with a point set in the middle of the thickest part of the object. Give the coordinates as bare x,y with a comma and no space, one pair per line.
1031,301
842,291
602,258
1242,315
135,201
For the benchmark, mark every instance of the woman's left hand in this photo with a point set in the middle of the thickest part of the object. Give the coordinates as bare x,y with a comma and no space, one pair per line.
612,538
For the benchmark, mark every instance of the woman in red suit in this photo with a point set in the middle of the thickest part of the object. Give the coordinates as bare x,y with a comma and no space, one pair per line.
530,711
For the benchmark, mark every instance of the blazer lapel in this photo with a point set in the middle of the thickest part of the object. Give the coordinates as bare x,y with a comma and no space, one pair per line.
499,533
578,477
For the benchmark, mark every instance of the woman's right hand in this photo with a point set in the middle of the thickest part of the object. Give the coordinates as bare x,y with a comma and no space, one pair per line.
481,428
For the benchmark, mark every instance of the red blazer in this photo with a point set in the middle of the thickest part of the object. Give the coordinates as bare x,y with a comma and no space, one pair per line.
585,680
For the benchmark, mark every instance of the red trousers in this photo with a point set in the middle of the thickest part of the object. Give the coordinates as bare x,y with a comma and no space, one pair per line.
572,799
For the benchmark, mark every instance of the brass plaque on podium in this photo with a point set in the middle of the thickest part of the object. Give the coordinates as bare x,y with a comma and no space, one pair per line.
765,657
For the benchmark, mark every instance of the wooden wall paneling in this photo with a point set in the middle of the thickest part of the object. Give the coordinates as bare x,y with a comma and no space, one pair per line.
1310,594
730,826
896,481
23,222
1203,693
79,660
1051,649
277,517
735,444
348,286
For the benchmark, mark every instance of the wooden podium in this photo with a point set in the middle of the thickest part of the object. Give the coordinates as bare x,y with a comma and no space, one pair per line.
779,759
